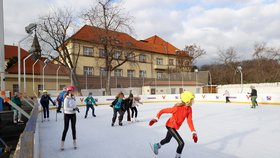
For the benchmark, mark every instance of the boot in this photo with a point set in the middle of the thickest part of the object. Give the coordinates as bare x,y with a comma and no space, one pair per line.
120,123
62,145
178,155
156,147
75,144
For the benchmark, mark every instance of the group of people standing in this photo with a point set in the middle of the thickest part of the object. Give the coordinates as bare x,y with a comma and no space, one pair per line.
121,105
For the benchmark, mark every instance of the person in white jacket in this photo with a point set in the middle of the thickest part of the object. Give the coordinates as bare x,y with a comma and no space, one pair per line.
136,102
70,109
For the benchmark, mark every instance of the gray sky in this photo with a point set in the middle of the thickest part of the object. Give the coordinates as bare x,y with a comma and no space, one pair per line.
211,24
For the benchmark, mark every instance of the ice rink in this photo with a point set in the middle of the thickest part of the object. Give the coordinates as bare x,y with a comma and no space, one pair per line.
224,131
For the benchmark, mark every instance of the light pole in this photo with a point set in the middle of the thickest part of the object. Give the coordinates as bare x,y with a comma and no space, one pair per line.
2,53
29,29
57,79
46,63
239,68
71,73
33,76
196,71
24,73
86,80
210,81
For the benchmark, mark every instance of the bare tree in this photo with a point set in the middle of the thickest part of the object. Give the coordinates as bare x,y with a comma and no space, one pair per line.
53,31
261,50
195,52
110,18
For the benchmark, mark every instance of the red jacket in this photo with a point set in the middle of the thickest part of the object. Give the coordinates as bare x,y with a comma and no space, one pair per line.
179,113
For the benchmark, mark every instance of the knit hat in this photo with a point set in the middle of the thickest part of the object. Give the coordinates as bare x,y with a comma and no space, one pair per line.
186,96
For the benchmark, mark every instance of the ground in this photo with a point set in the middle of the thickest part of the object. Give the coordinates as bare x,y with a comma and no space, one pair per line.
224,131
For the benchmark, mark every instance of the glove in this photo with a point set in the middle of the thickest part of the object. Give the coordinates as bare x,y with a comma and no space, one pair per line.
76,109
194,136
152,122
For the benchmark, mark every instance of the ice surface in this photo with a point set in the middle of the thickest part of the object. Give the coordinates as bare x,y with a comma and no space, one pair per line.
224,131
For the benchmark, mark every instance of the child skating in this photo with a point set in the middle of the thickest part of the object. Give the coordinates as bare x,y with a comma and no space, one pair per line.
89,104
180,112
136,102
118,107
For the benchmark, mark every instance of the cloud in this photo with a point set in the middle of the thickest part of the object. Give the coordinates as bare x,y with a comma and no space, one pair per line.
212,24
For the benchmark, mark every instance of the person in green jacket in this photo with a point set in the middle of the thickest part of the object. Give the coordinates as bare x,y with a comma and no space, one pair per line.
17,101
89,103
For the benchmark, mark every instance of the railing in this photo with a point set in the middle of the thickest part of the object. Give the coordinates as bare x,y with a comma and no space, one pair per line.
27,145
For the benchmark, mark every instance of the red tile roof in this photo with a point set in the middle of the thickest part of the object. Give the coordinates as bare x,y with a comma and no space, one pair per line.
12,51
153,44
38,68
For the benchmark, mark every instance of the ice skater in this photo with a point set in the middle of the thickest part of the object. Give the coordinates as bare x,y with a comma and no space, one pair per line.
180,112
60,99
118,107
45,101
89,104
226,94
127,104
253,96
70,109
135,103
17,114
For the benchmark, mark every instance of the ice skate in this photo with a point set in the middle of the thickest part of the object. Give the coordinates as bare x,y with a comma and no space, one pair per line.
112,124
120,123
62,145
156,146
178,155
75,144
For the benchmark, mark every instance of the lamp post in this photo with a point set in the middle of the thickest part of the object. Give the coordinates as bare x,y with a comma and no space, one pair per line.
210,81
33,76
24,73
2,54
239,68
86,80
29,29
71,73
57,79
46,63
196,71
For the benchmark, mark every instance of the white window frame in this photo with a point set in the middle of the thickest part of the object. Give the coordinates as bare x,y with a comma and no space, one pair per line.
102,71
142,73
130,73
142,58
159,61
117,54
118,72
171,61
87,52
102,53
159,75
88,70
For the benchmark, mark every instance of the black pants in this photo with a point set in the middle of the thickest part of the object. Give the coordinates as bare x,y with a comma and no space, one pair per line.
128,114
121,112
134,109
227,100
92,108
67,118
59,106
172,132
46,110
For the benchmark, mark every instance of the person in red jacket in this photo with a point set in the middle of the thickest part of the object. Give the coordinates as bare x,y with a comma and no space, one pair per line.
180,112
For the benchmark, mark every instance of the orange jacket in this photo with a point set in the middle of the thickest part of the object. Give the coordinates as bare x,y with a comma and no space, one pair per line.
179,113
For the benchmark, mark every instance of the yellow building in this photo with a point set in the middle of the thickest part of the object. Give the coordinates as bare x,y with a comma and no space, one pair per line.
149,59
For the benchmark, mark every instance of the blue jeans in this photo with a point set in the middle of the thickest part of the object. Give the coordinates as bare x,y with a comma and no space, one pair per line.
92,108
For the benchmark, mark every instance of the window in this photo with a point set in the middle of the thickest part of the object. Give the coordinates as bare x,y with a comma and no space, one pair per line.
117,55
142,74
118,72
102,53
159,75
130,73
103,71
88,51
171,61
88,70
15,87
131,57
142,58
159,61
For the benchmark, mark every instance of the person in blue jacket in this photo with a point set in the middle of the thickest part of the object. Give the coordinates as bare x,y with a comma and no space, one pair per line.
60,99
89,103
118,107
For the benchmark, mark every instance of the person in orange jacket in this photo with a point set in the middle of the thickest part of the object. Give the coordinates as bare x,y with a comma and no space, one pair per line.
180,112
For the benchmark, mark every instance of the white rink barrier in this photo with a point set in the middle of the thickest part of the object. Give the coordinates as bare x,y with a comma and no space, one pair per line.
207,97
